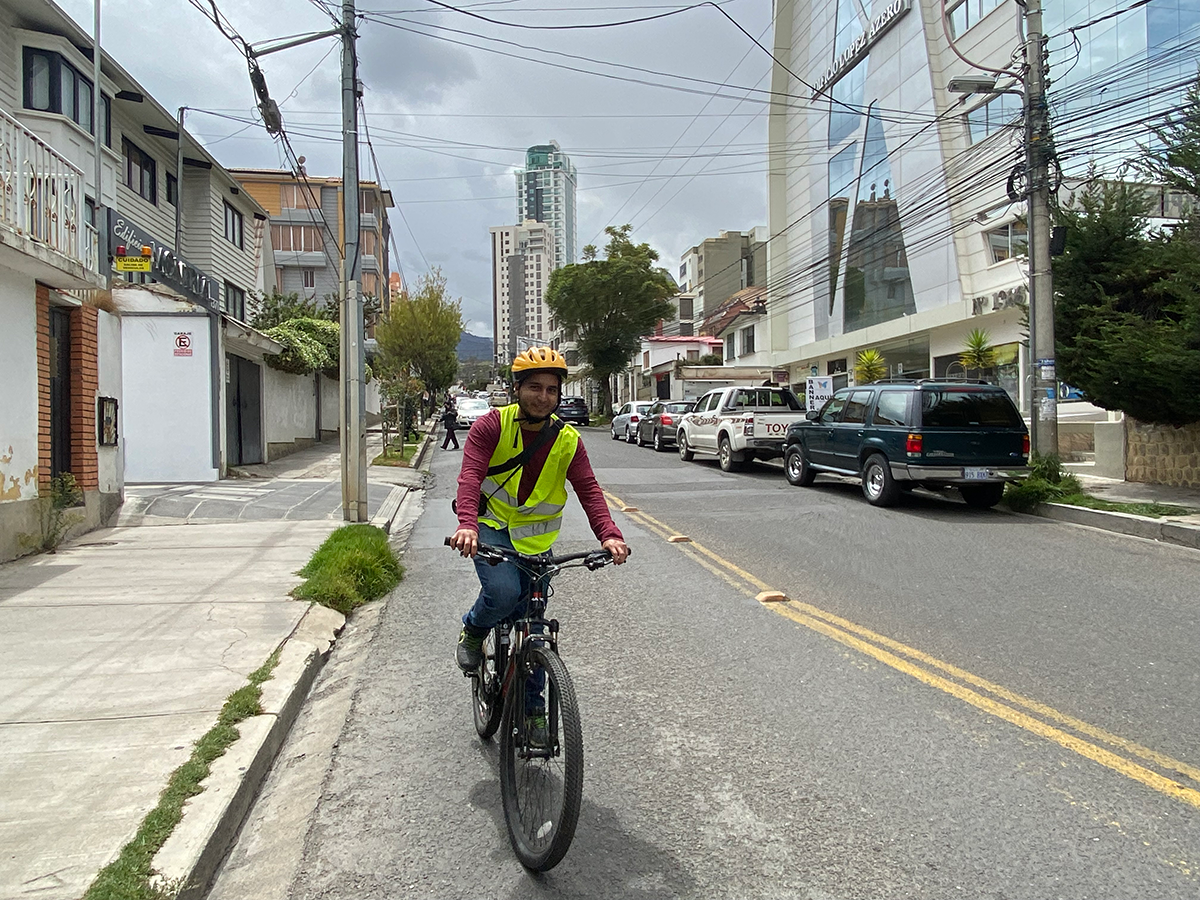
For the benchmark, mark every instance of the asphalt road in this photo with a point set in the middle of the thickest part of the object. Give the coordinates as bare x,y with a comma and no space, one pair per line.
952,704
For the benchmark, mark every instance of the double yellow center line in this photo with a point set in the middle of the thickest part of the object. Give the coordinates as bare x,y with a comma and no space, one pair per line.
1169,776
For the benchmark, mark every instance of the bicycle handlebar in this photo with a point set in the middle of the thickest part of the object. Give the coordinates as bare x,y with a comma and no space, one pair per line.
592,559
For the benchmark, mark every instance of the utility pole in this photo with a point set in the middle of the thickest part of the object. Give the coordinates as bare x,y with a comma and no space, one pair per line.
1039,151
353,362
98,122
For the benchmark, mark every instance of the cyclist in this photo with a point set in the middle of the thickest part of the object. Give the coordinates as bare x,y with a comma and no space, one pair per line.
512,491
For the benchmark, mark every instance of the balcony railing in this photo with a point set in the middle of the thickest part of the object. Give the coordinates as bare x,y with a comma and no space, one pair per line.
41,194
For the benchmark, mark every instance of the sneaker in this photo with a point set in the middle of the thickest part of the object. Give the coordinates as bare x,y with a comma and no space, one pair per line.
537,731
469,653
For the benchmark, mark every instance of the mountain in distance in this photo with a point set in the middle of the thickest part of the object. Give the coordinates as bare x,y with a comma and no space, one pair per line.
472,346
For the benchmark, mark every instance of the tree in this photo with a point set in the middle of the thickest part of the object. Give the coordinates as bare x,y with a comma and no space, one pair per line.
1127,310
275,308
420,333
608,305
869,366
977,353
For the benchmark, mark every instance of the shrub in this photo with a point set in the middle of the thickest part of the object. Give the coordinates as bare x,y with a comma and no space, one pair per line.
354,565
302,353
1046,483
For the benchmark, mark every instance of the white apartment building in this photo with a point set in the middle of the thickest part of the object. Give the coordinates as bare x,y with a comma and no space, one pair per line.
546,193
893,223
523,256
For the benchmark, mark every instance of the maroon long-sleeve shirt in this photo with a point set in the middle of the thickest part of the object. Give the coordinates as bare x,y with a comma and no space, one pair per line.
477,455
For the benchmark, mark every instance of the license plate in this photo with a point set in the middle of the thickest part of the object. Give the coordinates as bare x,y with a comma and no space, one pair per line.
973,473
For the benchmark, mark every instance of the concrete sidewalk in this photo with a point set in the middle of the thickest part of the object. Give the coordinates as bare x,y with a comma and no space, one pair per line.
120,650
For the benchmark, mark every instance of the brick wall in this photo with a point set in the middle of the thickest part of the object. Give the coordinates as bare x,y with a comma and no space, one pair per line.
1162,454
85,385
43,363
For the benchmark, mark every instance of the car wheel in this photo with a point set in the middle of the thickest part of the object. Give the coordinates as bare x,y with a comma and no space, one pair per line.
796,468
685,452
628,435
640,442
878,486
659,447
725,456
982,496
613,430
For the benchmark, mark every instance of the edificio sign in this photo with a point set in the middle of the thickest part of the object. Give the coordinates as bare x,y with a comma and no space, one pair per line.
165,266
848,58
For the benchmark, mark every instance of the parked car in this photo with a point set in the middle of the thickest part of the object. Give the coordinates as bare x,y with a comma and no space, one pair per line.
739,424
896,436
624,423
657,426
574,411
471,408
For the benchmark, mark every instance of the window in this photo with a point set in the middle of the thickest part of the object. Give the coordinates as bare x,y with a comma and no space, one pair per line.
234,226
368,243
967,14
235,301
730,349
747,340
53,85
279,277
856,407
832,409
370,284
172,189
685,329
685,307
1008,241
141,172
968,409
997,113
891,408
693,354
366,202
297,196
310,277
300,238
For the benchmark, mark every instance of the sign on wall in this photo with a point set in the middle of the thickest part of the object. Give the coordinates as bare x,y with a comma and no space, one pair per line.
819,390
183,343
165,266
849,57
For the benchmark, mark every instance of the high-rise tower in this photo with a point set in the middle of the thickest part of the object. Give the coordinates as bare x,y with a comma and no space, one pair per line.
546,193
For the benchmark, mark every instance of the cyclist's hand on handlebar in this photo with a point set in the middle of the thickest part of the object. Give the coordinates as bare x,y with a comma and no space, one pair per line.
618,548
466,542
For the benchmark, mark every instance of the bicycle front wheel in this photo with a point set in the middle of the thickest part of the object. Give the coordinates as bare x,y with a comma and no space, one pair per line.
541,770
486,687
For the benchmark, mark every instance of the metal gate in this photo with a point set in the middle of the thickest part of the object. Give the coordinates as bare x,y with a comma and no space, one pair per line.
243,411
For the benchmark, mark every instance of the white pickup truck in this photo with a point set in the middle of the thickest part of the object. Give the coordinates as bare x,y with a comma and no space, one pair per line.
739,424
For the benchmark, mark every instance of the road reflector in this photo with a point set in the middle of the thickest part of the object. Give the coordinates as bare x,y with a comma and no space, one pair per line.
771,597
629,509
679,539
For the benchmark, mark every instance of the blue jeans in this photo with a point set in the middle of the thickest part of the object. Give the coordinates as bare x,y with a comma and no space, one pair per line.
503,590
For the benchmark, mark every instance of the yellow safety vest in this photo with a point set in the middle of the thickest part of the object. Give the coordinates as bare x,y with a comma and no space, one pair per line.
533,525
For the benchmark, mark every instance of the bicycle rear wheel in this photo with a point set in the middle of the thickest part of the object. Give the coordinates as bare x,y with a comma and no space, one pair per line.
486,695
542,783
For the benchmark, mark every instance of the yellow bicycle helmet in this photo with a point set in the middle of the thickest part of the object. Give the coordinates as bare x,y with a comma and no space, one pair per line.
538,359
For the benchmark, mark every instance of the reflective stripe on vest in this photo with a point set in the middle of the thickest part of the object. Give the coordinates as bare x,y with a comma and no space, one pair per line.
534,525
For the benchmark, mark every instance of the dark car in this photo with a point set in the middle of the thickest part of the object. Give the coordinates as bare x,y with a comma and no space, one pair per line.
574,411
898,435
658,426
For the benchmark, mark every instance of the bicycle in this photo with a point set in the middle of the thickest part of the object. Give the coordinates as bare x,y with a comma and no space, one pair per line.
541,773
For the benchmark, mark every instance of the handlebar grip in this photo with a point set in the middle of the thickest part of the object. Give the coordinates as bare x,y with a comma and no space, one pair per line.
448,542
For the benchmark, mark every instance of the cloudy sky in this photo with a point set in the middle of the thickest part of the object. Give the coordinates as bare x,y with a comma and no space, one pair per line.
658,116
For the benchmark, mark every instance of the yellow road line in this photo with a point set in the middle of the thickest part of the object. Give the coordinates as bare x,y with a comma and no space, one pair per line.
844,631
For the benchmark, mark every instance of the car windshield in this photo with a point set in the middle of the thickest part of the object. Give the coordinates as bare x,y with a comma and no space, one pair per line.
958,408
640,408
574,402
466,406
677,408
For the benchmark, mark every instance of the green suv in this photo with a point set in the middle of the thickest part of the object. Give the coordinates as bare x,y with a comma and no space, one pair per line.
898,435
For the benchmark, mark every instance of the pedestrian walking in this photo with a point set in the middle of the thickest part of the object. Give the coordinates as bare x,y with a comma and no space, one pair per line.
450,421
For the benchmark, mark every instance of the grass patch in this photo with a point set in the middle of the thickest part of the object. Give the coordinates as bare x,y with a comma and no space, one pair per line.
391,456
354,565
1047,483
1152,510
128,876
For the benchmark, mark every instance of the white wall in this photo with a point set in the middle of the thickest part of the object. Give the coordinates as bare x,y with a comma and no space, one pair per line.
18,387
373,396
329,404
111,459
289,406
167,409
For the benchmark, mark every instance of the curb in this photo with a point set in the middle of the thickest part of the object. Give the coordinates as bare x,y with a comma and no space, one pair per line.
211,820
1168,532
387,512
419,459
